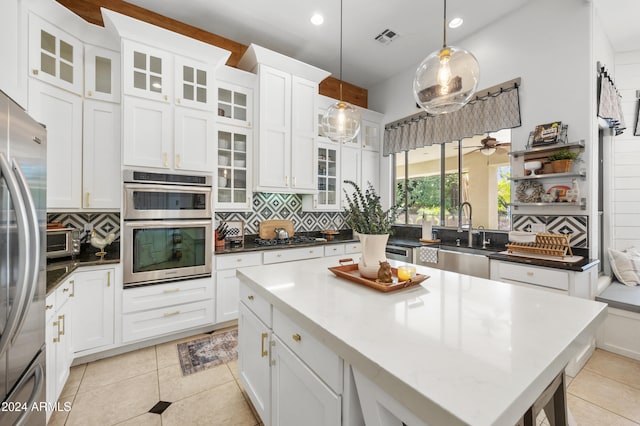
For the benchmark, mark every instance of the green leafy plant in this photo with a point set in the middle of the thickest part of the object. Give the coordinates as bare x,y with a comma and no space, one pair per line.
563,154
364,212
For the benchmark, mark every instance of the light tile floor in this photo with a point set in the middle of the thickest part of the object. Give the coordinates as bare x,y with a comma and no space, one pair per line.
122,389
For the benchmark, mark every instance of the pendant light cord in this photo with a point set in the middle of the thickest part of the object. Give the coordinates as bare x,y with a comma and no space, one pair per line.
341,50
444,26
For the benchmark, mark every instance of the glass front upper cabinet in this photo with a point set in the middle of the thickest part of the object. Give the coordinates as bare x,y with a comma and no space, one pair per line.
101,74
147,71
327,163
192,84
234,104
233,171
54,56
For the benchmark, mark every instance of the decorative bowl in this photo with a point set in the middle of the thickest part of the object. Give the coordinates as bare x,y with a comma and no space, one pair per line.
533,166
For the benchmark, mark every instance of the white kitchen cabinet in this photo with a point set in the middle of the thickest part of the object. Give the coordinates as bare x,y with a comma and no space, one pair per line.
59,343
101,74
55,57
61,112
147,72
370,135
93,322
162,309
370,170
290,255
228,285
334,249
299,396
235,104
234,158
168,119
327,198
101,180
350,169
287,123
194,144
146,128
254,359
193,83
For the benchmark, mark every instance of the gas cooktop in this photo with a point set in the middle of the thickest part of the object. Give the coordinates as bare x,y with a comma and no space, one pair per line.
296,239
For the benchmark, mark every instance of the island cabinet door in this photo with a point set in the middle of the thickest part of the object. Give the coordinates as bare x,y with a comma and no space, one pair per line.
253,361
299,396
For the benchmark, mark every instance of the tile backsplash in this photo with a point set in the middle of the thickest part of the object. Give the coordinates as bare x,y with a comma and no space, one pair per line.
283,206
103,223
578,226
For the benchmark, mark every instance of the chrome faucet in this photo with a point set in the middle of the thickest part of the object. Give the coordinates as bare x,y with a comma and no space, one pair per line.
485,241
466,203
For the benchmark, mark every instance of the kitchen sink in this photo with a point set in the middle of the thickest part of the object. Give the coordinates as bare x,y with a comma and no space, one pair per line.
463,260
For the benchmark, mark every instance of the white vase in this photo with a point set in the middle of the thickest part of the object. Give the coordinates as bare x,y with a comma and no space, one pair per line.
373,252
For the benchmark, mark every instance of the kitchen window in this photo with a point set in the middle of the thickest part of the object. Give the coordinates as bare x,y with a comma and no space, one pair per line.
434,180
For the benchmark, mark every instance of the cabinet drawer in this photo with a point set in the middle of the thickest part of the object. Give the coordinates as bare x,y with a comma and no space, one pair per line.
334,250
160,295
229,261
289,255
257,304
353,248
158,322
65,292
322,360
546,277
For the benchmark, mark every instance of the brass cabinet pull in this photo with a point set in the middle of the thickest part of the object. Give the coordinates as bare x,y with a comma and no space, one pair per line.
87,199
171,314
171,290
294,181
296,337
108,278
57,325
73,288
178,161
529,273
48,307
286,181
61,320
264,353
239,259
164,159
250,297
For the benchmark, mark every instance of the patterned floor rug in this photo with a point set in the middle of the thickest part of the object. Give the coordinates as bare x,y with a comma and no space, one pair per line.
207,352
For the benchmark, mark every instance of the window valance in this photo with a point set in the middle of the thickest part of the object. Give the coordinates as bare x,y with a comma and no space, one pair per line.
498,109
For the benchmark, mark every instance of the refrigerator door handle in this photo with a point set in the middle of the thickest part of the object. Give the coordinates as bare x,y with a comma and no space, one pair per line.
37,372
34,254
24,238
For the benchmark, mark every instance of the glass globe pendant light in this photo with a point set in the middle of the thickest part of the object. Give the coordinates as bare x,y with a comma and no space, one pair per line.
447,79
341,121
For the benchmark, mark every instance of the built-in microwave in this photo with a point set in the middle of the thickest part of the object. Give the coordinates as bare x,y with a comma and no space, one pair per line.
63,242
166,196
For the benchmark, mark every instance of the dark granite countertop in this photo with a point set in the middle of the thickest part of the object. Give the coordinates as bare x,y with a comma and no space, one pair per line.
59,269
580,266
250,244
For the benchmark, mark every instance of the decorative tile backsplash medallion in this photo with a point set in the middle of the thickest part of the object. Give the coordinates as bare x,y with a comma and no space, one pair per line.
578,226
283,206
103,223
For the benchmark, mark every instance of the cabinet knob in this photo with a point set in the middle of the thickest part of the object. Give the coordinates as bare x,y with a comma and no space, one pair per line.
239,260
279,255
166,98
89,93
296,337
177,100
48,307
250,297
35,72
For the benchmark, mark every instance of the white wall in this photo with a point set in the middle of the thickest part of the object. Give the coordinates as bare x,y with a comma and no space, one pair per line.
626,157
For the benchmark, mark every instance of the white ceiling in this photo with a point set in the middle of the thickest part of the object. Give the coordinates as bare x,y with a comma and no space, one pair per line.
283,26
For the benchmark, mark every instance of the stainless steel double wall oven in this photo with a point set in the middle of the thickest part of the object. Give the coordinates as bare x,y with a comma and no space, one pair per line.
167,227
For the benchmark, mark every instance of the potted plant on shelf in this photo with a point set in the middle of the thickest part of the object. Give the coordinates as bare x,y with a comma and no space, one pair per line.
562,160
365,215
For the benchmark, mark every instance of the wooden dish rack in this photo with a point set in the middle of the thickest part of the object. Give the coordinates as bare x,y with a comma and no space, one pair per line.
547,244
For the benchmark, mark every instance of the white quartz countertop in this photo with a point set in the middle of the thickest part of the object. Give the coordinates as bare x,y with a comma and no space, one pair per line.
454,350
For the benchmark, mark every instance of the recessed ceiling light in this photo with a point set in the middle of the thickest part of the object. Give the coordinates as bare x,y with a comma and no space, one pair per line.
455,22
317,19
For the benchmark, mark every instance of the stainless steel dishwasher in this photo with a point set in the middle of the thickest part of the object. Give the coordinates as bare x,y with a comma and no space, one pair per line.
462,260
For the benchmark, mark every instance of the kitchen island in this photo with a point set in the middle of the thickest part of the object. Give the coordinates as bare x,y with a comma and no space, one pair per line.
454,350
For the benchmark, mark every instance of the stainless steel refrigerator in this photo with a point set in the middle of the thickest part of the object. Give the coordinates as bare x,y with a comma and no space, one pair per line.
22,266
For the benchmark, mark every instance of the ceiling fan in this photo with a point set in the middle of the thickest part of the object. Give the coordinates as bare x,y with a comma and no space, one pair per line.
489,145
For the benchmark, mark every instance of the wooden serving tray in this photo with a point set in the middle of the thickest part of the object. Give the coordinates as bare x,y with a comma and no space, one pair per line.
351,273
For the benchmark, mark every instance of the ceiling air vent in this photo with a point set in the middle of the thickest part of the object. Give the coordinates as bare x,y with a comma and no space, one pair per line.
386,37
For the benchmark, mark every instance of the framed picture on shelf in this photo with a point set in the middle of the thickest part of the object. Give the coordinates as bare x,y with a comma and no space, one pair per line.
546,134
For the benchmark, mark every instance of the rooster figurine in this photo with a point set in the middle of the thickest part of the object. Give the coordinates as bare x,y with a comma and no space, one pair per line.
101,243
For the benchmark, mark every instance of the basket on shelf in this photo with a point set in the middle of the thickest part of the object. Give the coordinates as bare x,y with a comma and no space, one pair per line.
547,244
